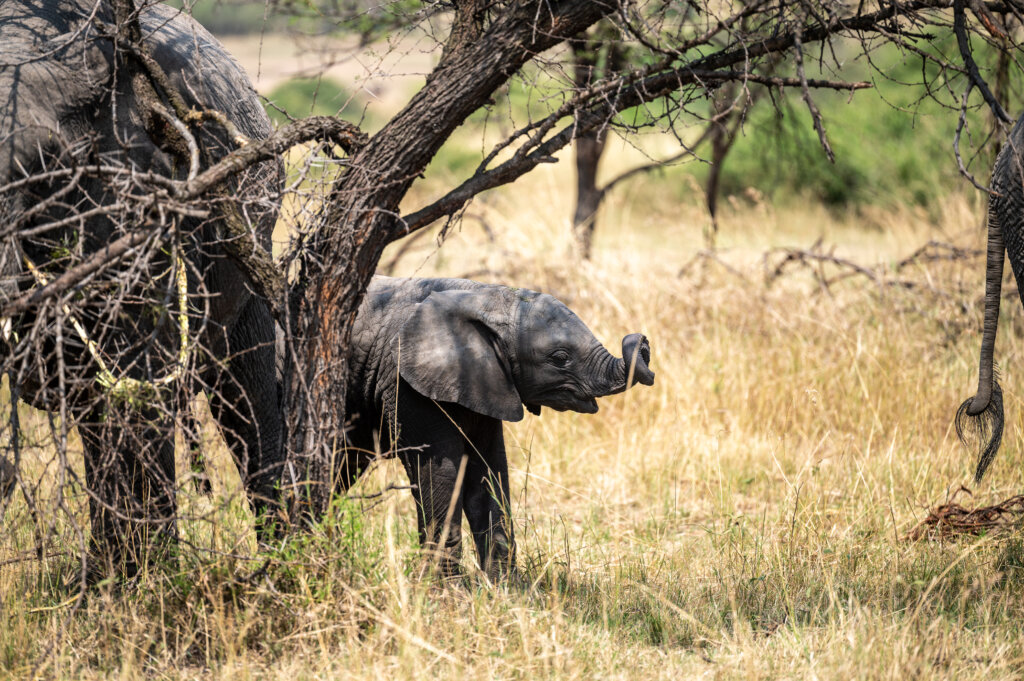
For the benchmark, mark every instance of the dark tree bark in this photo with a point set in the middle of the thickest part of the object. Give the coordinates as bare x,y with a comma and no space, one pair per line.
721,137
589,148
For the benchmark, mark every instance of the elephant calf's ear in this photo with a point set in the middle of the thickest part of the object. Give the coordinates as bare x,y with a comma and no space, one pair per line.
450,353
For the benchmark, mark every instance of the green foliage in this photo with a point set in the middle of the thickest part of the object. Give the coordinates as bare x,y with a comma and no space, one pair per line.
239,17
527,97
301,97
454,159
337,550
892,145
883,155
229,17
377,19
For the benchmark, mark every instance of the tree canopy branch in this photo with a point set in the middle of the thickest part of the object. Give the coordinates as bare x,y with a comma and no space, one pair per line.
638,93
964,45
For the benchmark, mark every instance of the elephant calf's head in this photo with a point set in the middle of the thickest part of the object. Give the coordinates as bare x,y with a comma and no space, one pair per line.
493,349
563,366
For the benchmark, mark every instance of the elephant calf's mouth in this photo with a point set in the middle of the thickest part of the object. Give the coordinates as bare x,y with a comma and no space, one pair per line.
569,400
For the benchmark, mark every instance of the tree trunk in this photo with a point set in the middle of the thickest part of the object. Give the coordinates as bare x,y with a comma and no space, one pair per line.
589,147
721,140
360,218
590,144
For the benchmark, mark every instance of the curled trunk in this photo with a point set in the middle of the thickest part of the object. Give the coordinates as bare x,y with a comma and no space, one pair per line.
632,368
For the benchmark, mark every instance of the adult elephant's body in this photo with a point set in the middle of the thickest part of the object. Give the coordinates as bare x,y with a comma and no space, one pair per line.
1005,235
437,365
70,103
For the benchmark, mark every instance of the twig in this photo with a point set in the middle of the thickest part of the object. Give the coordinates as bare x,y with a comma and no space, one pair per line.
960,124
705,255
108,255
186,135
815,258
798,53
376,495
951,520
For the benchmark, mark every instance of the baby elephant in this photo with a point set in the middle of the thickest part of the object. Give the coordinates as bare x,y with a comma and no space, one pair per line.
437,365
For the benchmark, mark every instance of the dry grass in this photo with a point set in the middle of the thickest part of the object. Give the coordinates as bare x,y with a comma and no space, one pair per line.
741,519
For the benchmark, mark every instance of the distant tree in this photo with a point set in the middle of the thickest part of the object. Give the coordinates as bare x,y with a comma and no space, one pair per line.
598,54
603,53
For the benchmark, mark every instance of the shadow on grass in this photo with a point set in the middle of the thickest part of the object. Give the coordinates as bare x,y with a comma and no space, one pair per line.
679,601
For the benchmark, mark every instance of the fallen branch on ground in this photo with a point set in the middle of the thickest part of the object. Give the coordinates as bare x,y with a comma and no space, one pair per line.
953,520
708,256
779,261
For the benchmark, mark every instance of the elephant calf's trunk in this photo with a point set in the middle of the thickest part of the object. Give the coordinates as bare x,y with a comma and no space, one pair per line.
636,353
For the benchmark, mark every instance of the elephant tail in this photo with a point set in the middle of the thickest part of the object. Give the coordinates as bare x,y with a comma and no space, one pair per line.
982,415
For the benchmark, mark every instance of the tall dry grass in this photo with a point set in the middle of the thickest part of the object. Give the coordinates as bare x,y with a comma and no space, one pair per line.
741,519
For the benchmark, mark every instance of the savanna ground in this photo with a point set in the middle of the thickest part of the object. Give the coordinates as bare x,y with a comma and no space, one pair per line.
743,518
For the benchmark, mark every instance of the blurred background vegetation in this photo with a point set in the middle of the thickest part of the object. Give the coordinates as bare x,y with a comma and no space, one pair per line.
892,146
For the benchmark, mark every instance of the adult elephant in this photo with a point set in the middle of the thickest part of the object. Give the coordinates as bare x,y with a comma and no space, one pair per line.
984,411
76,131
437,365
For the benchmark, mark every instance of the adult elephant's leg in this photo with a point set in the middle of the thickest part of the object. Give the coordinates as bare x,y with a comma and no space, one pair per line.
245,400
487,503
129,472
432,451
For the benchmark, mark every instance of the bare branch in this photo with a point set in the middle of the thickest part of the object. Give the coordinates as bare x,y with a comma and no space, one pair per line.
108,255
964,45
186,134
960,124
647,90
322,128
798,55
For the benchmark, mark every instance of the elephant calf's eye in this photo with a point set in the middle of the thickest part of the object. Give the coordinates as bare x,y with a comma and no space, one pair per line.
560,358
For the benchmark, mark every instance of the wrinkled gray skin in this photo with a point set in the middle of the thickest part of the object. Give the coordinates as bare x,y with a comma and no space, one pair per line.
984,411
56,108
438,364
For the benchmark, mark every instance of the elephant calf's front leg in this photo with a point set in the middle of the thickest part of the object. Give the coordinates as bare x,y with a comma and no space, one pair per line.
486,502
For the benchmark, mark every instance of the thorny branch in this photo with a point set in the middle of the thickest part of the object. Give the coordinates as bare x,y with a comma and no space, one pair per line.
819,127
683,79
960,29
589,119
189,197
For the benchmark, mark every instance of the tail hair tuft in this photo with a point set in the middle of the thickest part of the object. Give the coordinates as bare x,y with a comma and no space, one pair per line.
985,429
